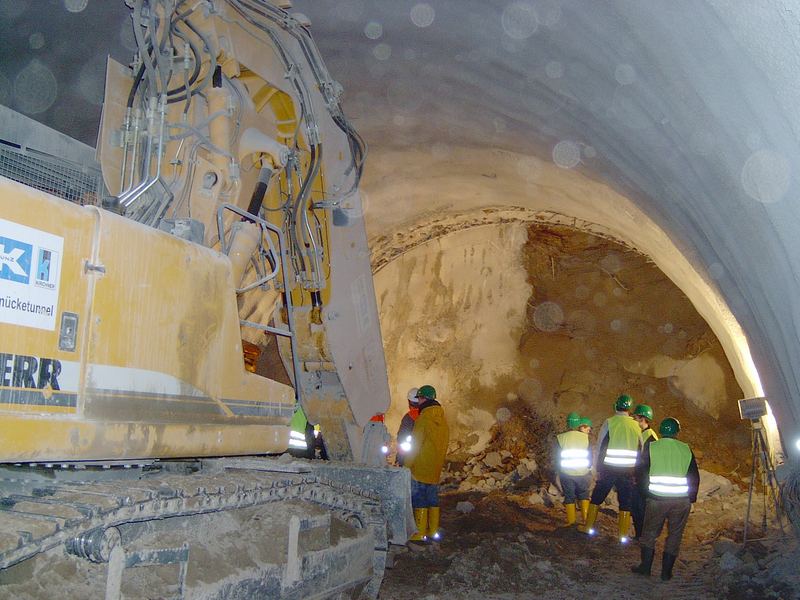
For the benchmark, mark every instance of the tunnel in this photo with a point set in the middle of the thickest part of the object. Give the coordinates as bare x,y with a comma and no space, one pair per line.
564,201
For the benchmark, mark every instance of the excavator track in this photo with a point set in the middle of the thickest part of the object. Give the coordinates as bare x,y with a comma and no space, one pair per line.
82,519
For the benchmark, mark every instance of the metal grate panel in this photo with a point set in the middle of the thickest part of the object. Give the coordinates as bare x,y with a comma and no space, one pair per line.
78,183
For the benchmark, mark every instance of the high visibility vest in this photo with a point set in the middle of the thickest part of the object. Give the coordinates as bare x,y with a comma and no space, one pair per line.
574,457
649,433
669,464
297,436
624,439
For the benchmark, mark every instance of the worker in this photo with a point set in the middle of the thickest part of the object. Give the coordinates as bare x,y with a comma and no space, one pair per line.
425,459
407,426
301,435
375,443
574,466
669,476
643,415
618,448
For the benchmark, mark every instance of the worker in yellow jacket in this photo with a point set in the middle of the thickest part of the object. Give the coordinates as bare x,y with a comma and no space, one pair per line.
425,459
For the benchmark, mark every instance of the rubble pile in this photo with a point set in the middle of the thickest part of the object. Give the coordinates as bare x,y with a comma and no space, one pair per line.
505,563
517,457
765,568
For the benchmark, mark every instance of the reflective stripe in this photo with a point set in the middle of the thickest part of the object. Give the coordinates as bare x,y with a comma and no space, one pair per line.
575,458
575,463
669,486
298,444
574,453
296,435
620,458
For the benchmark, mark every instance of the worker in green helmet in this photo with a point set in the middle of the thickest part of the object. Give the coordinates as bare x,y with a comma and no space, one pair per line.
619,443
643,415
574,464
425,459
670,477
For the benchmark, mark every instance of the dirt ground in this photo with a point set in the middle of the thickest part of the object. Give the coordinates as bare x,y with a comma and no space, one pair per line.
508,549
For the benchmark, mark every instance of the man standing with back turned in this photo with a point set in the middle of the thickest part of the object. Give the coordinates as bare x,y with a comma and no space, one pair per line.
620,439
669,471
425,460
574,461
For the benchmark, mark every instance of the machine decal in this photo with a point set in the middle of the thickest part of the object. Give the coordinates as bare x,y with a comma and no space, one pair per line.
33,382
30,272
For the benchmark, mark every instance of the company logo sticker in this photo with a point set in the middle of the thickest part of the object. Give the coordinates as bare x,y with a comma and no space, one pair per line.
15,258
45,266
30,275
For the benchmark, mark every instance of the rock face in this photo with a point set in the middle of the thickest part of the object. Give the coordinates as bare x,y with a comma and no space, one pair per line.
558,319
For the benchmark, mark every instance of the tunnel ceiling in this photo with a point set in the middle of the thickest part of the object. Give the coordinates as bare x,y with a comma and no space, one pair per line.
676,119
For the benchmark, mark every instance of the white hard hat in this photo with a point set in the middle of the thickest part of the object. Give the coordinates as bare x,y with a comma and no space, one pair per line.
412,396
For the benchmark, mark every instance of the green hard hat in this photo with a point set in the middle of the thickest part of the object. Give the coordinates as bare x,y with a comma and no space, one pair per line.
624,402
644,411
669,427
427,391
573,420
585,421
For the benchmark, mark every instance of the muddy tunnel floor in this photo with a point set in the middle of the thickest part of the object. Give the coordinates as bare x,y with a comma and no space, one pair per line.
500,546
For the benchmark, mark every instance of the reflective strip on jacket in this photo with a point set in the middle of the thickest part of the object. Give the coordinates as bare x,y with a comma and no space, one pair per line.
574,454
428,444
624,440
669,464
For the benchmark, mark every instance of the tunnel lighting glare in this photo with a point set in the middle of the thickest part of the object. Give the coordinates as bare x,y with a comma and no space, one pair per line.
797,443
591,531
623,540
405,446
385,449
437,536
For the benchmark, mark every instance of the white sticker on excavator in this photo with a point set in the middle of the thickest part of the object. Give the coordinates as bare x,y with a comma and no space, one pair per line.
30,273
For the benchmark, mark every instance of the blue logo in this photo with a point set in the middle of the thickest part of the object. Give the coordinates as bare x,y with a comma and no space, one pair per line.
43,265
15,260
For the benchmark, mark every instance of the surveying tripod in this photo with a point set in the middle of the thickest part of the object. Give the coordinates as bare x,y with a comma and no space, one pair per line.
762,462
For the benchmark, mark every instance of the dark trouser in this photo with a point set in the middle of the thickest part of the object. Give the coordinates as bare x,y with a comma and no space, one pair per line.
575,487
637,510
424,495
673,511
621,479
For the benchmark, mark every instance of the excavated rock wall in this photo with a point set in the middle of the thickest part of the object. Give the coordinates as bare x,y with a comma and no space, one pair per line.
503,316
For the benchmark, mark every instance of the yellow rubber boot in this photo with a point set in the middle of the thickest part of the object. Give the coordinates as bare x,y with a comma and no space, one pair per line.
421,520
591,517
433,523
624,523
570,514
584,509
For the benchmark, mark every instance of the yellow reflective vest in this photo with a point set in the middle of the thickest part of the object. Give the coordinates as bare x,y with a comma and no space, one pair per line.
624,440
669,466
429,441
574,455
649,433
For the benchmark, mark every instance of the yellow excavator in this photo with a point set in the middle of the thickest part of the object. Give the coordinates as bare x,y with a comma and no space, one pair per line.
163,315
